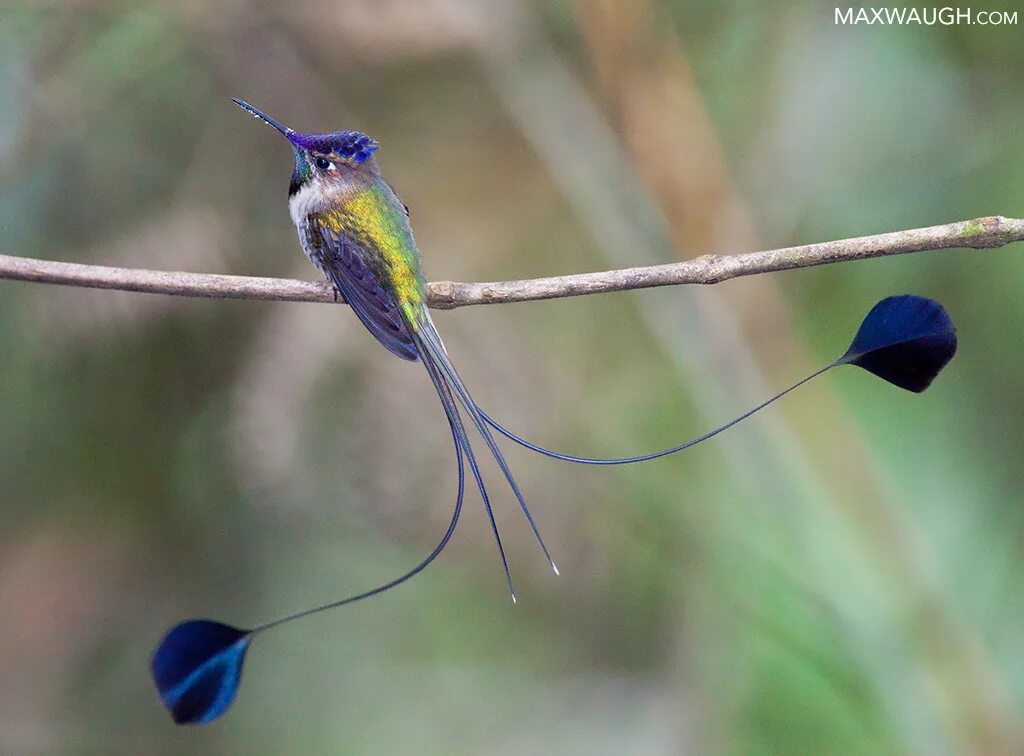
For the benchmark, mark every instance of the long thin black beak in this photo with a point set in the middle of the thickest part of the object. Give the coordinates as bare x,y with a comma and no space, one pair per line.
262,116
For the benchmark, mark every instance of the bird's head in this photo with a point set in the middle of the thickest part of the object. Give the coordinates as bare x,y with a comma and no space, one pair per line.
324,163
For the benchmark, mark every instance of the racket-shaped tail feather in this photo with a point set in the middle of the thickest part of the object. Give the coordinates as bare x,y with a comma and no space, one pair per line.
197,667
905,340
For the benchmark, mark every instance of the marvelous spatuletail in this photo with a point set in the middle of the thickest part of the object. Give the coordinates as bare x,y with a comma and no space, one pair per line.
355,230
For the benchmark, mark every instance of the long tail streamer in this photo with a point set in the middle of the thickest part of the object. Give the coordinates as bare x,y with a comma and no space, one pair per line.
905,340
433,354
197,667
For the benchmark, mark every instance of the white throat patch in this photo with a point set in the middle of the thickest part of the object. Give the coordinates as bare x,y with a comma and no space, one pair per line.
305,201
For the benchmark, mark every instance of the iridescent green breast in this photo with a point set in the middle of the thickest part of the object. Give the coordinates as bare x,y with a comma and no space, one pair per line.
375,219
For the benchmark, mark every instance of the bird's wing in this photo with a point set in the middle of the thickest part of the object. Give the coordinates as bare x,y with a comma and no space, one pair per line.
351,269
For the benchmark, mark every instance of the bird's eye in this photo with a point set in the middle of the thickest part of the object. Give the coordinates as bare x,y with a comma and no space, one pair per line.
323,163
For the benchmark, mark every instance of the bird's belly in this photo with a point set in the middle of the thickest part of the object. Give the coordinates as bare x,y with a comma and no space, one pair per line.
310,249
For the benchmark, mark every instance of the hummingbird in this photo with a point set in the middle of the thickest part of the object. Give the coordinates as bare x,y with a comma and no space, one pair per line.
355,230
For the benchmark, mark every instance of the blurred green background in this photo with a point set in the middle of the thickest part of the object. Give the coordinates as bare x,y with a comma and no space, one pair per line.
840,575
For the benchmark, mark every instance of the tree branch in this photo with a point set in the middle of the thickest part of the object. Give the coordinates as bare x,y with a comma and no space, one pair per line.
981,233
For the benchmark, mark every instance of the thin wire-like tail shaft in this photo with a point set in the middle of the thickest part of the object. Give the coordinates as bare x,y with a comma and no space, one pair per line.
452,411
458,438
433,351
643,457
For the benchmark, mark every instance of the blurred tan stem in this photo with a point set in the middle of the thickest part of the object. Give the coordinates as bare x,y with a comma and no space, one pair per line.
981,233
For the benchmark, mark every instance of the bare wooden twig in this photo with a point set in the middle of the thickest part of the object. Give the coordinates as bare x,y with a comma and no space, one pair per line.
981,233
